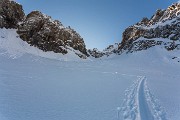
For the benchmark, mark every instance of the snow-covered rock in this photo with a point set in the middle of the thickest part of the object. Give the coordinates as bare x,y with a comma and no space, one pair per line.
95,53
164,24
111,49
162,29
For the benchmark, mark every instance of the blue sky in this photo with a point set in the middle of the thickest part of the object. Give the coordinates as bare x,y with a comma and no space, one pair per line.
99,22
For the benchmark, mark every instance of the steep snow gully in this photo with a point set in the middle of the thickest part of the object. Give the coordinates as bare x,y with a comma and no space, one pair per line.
140,104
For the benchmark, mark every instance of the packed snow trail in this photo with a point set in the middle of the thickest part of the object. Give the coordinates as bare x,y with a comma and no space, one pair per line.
144,111
140,104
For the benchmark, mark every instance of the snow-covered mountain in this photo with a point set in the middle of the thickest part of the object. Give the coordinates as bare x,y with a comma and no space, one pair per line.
139,80
41,31
14,47
111,49
161,29
138,86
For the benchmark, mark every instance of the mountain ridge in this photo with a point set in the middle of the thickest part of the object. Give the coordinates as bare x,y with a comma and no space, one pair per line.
163,24
41,31
162,29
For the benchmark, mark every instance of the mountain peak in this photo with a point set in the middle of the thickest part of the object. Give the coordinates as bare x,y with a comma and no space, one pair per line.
40,30
162,16
161,29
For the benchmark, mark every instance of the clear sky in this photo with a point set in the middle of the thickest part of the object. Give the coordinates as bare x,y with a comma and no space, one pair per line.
99,22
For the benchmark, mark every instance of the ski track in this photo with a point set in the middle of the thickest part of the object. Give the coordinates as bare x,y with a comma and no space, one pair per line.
144,111
140,104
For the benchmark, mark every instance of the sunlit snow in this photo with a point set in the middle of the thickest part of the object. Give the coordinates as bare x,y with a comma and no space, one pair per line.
45,86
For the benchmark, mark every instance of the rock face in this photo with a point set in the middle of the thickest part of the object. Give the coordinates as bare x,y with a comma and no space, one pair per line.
10,14
163,24
96,53
162,29
41,31
111,49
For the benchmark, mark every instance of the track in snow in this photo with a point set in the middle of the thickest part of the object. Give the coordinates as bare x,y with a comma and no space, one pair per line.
140,104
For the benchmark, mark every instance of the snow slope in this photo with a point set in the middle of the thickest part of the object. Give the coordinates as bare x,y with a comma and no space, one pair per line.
140,104
137,86
15,47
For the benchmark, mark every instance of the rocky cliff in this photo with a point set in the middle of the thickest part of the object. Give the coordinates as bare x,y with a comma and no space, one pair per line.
11,13
111,49
40,30
43,32
162,29
164,24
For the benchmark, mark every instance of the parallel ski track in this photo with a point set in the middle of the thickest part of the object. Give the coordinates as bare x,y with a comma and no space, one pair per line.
140,104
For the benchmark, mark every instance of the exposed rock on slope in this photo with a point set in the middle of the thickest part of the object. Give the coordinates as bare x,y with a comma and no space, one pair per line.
50,35
96,53
40,30
162,29
111,49
163,24
10,14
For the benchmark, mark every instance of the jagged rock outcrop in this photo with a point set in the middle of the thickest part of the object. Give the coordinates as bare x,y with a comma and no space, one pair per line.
40,30
50,35
162,29
163,24
96,53
11,13
111,49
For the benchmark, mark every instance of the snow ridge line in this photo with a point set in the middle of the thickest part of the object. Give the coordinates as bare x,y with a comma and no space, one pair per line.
140,104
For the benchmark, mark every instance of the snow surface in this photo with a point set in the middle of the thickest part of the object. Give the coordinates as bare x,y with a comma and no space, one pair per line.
15,47
139,86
